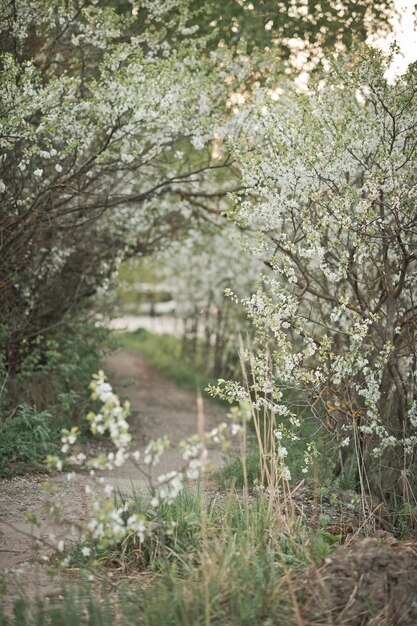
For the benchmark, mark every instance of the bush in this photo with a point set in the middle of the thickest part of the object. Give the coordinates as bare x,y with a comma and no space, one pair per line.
47,393
335,317
56,370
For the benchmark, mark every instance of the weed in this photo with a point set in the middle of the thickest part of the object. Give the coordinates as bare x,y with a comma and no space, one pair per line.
236,574
232,473
25,440
48,392
56,372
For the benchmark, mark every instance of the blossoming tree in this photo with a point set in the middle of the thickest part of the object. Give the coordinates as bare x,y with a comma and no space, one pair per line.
104,122
331,184
198,272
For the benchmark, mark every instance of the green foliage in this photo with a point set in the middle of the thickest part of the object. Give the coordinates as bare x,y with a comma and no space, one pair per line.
235,559
178,537
181,525
25,439
225,561
232,472
56,371
180,531
267,23
49,392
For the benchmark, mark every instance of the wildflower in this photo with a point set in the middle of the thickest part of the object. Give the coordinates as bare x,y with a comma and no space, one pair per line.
282,452
235,429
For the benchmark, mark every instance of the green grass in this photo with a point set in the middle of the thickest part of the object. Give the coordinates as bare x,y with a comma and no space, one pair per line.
48,392
226,561
231,474
25,440
80,604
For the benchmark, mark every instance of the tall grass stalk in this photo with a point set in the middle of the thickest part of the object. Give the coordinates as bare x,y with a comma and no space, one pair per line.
272,476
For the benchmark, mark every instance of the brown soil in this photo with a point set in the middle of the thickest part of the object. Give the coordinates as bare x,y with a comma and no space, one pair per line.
370,581
25,547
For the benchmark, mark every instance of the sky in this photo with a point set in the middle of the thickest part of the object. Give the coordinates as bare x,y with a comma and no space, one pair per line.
405,34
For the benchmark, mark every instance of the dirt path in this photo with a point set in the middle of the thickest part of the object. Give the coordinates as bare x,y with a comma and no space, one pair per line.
158,408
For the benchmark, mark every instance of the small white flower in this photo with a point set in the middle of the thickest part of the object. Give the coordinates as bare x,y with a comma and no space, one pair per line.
193,470
198,143
58,167
38,173
86,551
120,458
108,489
282,452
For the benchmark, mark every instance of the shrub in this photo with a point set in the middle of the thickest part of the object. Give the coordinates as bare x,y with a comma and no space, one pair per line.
331,184
47,393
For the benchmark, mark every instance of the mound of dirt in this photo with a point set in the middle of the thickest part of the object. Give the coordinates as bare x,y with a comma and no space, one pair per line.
370,581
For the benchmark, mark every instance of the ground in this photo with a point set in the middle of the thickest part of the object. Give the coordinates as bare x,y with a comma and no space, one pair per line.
369,581
372,581
158,408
